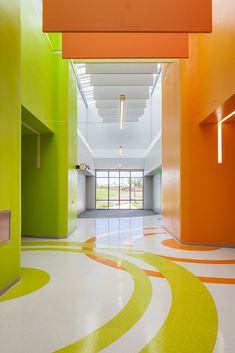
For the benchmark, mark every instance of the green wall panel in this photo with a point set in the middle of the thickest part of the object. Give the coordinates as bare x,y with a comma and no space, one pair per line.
49,96
37,64
38,88
10,132
72,157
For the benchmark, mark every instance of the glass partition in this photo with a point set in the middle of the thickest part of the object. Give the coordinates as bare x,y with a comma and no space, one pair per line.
119,189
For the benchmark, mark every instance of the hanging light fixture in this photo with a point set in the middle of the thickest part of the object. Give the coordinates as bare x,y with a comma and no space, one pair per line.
122,101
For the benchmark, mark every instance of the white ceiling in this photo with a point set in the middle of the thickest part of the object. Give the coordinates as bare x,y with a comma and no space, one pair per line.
114,92
121,79
130,68
109,81
101,127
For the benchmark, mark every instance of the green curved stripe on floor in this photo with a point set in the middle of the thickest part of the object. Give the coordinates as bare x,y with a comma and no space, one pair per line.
58,243
77,244
124,320
192,323
31,280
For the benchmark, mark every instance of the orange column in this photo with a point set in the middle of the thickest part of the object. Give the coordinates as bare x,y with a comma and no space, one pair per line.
207,80
171,148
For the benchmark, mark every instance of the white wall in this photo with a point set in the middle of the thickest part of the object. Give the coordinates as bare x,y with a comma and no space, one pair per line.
90,192
153,158
148,193
82,204
156,109
110,136
82,115
157,193
85,154
113,163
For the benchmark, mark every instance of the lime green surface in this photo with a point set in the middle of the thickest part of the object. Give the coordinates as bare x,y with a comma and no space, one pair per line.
30,120
38,88
10,131
124,320
32,279
72,152
192,323
49,193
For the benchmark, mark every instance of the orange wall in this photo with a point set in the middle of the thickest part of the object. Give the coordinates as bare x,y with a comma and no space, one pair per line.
171,147
207,79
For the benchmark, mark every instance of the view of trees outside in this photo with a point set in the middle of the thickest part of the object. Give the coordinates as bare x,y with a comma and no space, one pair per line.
119,189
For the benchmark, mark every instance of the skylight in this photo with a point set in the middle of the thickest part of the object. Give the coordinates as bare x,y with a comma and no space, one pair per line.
85,83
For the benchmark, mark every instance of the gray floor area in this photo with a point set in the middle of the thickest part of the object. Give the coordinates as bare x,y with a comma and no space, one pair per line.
116,213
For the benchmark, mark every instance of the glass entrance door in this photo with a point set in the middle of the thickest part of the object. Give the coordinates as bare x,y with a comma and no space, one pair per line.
119,189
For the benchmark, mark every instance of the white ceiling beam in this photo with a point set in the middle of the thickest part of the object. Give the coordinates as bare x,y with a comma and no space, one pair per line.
138,103
113,92
121,79
128,111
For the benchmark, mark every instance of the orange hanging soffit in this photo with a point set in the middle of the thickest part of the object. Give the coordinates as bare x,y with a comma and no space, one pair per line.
127,16
124,45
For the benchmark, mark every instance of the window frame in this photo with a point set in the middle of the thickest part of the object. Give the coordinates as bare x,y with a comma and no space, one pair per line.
119,200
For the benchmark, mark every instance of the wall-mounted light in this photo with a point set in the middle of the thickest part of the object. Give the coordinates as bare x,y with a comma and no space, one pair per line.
122,102
220,136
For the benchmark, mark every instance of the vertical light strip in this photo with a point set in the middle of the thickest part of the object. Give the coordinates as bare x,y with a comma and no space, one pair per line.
220,136
120,150
122,100
220,159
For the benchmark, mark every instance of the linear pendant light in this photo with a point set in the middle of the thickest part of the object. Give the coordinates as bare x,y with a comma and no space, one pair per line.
122,101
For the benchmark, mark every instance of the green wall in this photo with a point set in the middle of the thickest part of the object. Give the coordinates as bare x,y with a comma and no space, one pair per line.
37,88
10,131
49,94
72,153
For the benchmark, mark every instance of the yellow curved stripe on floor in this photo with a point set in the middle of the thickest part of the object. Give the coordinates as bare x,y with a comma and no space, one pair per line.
31,280
192,323
124,320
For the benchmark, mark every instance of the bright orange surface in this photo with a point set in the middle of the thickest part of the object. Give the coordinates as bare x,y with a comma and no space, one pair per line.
174,244
207,193
222,111
127,16
159,274
124,45
171,148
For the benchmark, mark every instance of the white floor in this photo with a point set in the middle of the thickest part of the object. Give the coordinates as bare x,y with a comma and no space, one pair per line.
84,294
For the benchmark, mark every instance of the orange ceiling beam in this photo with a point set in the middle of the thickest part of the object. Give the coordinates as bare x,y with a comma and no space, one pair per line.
124,45
127,16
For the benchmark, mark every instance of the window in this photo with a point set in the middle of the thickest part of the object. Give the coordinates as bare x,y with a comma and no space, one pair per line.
119,189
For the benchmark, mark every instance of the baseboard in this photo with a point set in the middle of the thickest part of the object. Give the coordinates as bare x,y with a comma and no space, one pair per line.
45,237
9,286
200,244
